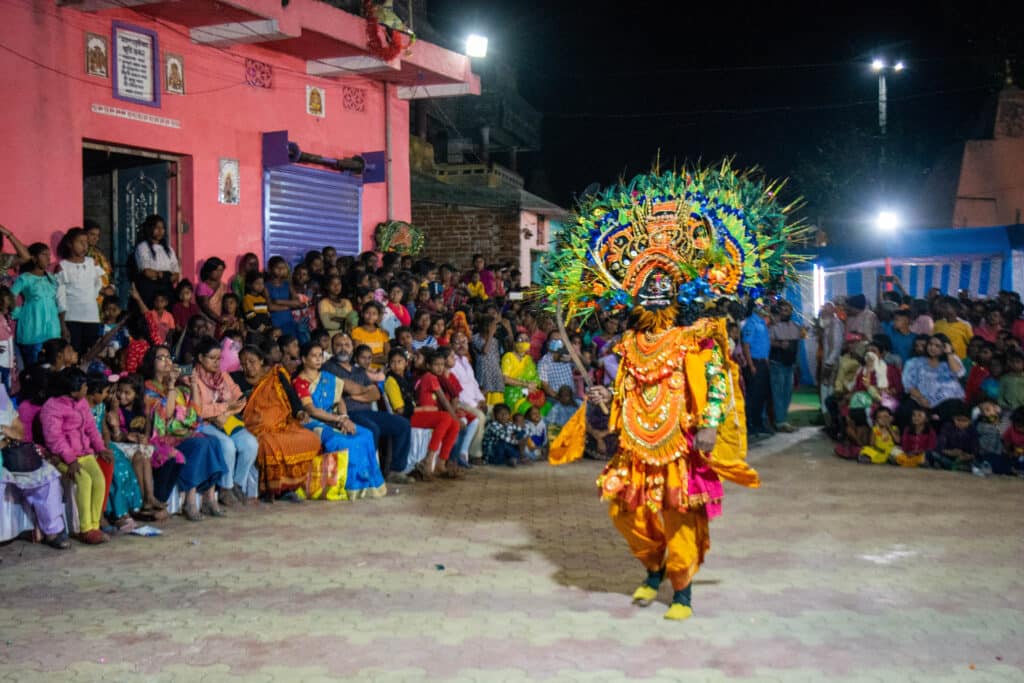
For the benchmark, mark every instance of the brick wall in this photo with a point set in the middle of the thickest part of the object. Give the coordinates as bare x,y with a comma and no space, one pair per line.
454,233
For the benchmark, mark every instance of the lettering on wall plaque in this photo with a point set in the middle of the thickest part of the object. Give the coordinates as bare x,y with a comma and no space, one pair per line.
136,66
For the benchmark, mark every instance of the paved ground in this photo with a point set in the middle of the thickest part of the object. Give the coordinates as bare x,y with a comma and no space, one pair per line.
832,571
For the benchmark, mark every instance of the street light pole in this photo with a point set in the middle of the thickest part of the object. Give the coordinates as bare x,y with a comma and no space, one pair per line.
881,102
880,66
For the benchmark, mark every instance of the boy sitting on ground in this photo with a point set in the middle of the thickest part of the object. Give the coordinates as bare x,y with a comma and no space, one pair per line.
503,444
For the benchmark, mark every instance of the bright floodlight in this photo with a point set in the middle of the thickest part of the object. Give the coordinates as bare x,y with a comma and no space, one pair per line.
476,45
877,64
899,66
887,221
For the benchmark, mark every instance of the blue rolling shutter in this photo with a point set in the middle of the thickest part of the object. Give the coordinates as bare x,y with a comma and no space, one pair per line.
310,208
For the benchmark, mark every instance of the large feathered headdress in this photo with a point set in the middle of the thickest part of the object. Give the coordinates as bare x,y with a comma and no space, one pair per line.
689,235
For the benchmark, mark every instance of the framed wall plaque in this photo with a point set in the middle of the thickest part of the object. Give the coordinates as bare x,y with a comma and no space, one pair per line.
136,65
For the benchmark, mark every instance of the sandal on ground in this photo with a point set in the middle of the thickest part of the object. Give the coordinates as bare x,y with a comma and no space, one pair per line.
226,497
423,471
94,537
452,472
191,513
209,509
59,541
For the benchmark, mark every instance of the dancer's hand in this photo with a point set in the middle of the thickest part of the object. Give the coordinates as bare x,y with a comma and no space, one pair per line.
599,394
705,440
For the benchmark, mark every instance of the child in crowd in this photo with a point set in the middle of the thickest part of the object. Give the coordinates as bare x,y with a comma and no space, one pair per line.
476,289
403,339
918,440
127,425
979,372
435,412
1011,384
138,343
564,408
335,311
397,388
537,433
124,497
186,307
303,315
370,333
160,320
438,330
289,345
1013,441
231,316
957,445
255,308
7,354
885,437
991,458
856,434
453,389
230,349
70,433
503,444
111,317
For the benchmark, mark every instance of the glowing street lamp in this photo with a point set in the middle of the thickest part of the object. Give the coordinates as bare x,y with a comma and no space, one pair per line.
888,221
476,46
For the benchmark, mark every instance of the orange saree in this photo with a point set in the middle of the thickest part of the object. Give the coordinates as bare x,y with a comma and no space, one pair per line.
286,448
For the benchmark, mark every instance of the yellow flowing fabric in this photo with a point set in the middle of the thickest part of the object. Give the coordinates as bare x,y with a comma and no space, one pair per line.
568,446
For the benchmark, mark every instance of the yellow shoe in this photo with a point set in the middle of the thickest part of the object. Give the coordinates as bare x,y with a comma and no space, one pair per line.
644,595
677,612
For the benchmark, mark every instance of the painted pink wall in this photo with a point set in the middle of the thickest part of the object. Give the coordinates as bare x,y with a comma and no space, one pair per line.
991,190
46,117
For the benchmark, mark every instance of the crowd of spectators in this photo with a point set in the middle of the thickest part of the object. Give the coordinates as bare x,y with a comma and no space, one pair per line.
341,377
935,382
329,378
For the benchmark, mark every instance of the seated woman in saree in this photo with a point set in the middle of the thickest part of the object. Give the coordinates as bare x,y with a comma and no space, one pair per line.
286,448
321,395
174,420
523,387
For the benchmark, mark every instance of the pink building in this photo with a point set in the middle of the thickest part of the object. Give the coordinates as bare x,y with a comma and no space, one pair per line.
113,114
990,190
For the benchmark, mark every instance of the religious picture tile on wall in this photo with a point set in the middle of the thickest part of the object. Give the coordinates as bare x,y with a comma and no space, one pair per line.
227,182
314,100
174,73
96,62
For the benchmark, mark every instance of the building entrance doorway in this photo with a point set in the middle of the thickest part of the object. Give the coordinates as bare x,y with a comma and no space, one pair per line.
121,187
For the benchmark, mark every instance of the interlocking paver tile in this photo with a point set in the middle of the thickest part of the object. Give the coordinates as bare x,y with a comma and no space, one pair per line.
806,576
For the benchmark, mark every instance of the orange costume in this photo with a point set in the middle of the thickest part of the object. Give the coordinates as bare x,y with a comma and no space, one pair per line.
664,247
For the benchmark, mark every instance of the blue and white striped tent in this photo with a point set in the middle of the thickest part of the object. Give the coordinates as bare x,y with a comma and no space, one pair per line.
980,260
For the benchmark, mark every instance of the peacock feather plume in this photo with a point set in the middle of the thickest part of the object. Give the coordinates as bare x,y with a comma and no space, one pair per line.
714,230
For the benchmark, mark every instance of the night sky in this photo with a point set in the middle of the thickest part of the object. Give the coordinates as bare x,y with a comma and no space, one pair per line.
783,85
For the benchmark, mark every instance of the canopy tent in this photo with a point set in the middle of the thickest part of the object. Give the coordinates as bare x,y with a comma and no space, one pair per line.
981,260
